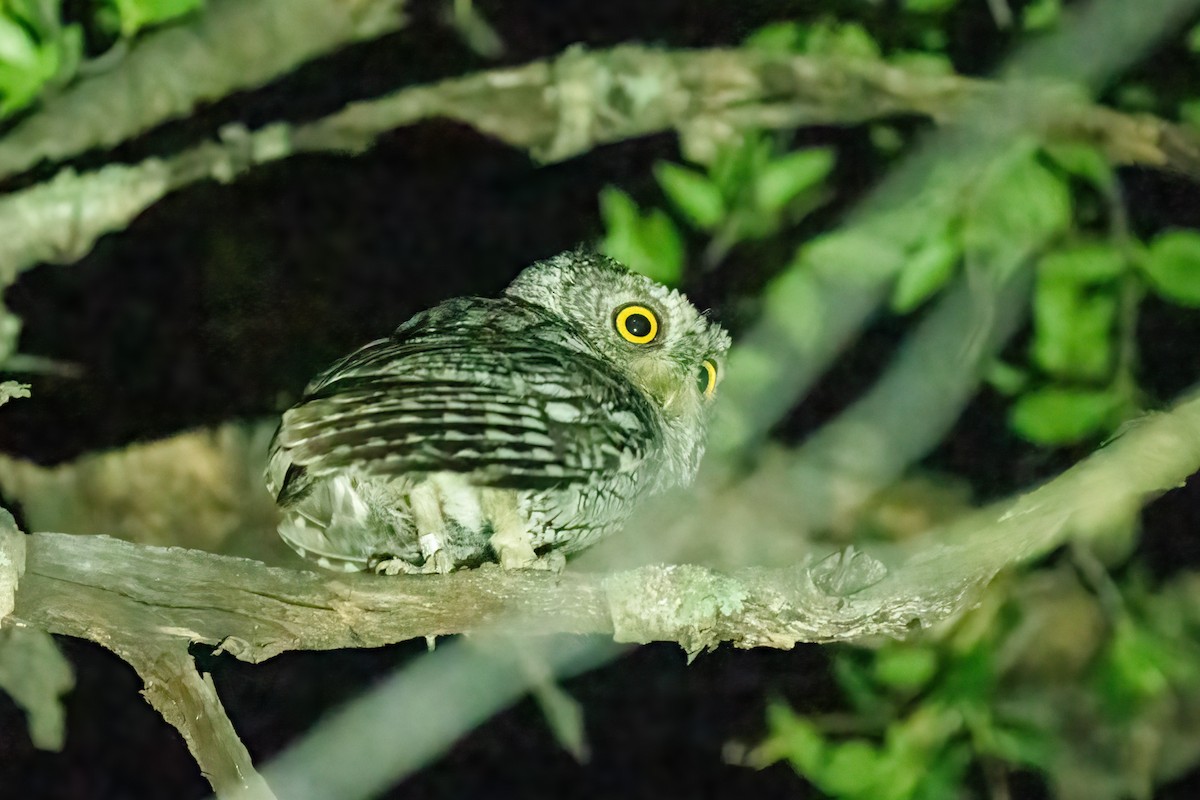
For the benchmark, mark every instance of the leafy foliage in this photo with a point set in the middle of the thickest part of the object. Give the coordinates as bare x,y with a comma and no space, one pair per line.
988,695
752,190
131,16
992,690
39,52
36,51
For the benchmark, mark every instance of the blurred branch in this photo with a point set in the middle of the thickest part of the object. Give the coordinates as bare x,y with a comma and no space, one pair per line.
232,45
451,690
914,404
792,493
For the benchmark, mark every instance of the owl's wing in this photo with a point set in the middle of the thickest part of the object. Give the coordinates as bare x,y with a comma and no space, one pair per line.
485,388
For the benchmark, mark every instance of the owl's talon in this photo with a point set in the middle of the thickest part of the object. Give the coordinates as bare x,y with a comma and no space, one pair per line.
395,566
554,562
439,562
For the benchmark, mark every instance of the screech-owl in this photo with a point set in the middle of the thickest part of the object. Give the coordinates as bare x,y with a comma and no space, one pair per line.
517,429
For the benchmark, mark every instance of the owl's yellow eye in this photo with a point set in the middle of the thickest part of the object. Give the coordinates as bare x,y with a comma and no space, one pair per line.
706,379
636,324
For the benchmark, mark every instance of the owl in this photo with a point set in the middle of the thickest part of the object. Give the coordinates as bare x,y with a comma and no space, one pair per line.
518,429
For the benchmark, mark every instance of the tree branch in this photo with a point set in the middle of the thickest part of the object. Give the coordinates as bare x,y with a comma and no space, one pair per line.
113,592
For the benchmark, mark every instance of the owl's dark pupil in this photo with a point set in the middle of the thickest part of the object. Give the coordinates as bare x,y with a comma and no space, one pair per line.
638,325
702,380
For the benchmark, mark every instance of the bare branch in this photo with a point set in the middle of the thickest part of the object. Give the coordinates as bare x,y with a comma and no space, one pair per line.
189,702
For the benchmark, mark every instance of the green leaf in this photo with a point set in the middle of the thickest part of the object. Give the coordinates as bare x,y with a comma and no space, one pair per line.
663,247
925,272
921,63
968,680
20,86
852,770
886,139
1005,378
138,14
1083,161
36,675
906,668
1193,39
1056,416
1172,264
777,38
856,681
1136,97
1086,263
1134,669
928,6
1189,112
933,39
943,778
795,738
36,49
621,222
1019,745
1017,208
697,197
18,48
1073,330
782,180
651,245
1041,14
842,40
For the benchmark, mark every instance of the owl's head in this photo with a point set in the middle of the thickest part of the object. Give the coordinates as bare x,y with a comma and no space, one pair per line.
653,335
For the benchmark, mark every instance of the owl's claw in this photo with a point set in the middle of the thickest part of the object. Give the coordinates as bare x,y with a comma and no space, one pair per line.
395,566
554,561
439,562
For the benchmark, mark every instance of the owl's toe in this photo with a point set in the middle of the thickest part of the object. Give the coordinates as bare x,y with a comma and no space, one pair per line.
439,562
395,566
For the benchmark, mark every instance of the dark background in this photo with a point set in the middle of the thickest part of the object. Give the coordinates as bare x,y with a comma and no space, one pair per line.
222,301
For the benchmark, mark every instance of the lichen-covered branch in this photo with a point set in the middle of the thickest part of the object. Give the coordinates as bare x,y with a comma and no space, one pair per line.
559,108
232,45
114,592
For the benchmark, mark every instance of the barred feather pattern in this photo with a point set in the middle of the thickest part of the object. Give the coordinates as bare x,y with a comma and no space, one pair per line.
473,413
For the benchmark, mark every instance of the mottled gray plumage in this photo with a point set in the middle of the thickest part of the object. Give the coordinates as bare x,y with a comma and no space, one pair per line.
518,429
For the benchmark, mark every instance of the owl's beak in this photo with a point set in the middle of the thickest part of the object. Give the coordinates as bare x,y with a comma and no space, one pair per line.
657,380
